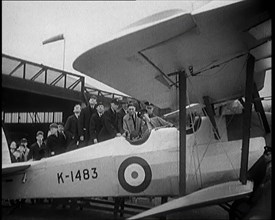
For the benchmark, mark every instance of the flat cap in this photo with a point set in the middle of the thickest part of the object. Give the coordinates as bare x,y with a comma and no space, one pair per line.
53,125
98,104
115,101
148,103
93,97
24,140
40,133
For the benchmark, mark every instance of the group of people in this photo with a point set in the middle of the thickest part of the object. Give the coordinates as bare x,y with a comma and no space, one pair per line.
90,125
54,144
97,125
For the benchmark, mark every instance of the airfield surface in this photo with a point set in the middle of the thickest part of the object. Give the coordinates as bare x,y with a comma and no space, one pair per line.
44,211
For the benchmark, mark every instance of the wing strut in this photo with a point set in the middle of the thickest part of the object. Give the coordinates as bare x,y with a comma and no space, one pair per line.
259,108
182,129
247,117
210,113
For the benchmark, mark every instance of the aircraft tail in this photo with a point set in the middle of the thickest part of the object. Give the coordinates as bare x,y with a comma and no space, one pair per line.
6,159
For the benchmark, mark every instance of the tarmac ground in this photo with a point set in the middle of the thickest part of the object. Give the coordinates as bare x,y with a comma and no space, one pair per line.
43,211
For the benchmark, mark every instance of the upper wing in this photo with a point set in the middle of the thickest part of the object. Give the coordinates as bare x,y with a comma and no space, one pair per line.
216,194
211,46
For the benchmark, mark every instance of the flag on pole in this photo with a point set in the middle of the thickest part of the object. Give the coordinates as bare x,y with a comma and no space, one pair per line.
53,39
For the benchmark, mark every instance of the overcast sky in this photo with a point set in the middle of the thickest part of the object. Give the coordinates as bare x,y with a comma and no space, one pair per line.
25,25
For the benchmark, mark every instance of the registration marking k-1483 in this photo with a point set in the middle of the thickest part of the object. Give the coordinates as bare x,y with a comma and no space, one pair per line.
79,175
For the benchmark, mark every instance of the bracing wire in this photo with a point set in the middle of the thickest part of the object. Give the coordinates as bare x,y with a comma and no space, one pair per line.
204,153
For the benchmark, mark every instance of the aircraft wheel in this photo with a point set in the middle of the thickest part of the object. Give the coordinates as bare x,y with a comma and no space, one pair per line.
239,209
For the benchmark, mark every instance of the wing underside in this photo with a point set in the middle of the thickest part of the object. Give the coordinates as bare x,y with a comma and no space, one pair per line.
216,194
211,47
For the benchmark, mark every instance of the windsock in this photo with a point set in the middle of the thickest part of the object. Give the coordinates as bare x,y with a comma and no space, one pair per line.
53,39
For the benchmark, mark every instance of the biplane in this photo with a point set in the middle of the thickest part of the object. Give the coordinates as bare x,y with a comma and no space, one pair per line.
190,62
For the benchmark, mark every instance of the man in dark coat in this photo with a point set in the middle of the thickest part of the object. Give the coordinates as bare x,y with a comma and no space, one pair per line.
121,113
71,128
110,123
84,121
62,137
96,123
38,150
52,142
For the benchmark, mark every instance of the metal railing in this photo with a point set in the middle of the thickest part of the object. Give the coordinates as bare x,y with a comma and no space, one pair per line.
40,73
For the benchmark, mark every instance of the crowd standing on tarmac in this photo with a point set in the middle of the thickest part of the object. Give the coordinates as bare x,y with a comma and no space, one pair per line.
90,125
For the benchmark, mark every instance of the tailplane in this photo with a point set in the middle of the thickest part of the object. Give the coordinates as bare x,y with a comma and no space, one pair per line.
6,159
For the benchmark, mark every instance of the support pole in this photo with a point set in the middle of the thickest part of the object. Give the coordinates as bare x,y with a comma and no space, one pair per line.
247,117
259,108
64,55
182,129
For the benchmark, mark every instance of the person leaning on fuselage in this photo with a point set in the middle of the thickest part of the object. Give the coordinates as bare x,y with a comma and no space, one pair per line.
12,150
150,109
96,123
84,121
154,122
38,150
121,113
71,128
21,153
52,141
24,149
132,125
110,123
62,137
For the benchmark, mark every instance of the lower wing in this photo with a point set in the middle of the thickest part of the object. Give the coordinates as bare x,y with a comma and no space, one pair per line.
13,168
216,194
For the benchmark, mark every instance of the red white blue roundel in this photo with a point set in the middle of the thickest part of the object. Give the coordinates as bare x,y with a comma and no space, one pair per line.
134,174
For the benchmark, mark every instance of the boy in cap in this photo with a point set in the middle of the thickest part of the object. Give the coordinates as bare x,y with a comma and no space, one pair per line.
12,150
38,150
24,149
96,123
84,121
110,122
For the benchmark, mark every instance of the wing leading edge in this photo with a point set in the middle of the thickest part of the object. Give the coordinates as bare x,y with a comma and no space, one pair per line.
216,194
211,46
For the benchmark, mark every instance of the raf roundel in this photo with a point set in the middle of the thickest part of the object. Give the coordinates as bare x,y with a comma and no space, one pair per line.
134,174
